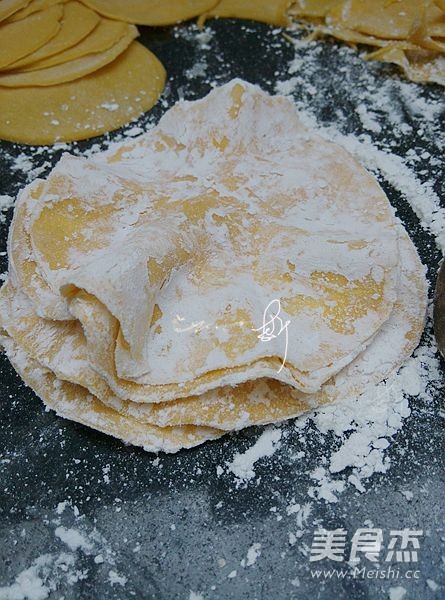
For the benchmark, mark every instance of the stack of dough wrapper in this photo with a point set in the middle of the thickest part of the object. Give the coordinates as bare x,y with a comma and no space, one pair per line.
68,73
409,33
140,279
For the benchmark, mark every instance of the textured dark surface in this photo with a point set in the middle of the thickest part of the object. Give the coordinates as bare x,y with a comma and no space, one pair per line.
173,525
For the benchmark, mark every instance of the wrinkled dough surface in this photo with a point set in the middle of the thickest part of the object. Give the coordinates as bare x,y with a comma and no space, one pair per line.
138,279
256,202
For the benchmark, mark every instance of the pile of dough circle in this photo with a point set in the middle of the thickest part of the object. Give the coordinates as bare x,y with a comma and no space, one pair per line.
96,78
78,48
105,35
77,22
86,107
408,33
20,38
140,279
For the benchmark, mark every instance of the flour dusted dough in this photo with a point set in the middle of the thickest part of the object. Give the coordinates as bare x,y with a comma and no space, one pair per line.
78,21
137,277
74,402
61,347
95,104
24,37
151,12
255,202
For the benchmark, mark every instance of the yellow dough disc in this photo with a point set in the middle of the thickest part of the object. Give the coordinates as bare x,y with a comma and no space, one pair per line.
9,7
151,12
23,37
104,36
33,7
380,18
267,11
78,21
421,65
71,70
95,104
312,8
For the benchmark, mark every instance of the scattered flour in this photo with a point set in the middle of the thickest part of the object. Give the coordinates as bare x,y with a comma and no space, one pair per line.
397,593
252,554
6,202
266,445
28,584
51,571
37,581
432,585
73,539
116,579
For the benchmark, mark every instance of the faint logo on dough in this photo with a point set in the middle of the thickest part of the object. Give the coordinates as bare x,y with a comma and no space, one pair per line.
273,326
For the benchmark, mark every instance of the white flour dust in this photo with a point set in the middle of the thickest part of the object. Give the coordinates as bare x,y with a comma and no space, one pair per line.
49,571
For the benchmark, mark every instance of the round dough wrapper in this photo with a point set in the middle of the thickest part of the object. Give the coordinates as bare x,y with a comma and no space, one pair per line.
380,18
69,71
91,106
33,7
104,36
24,37
151,12
311,8
78,21
274,12
421,65
9,7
